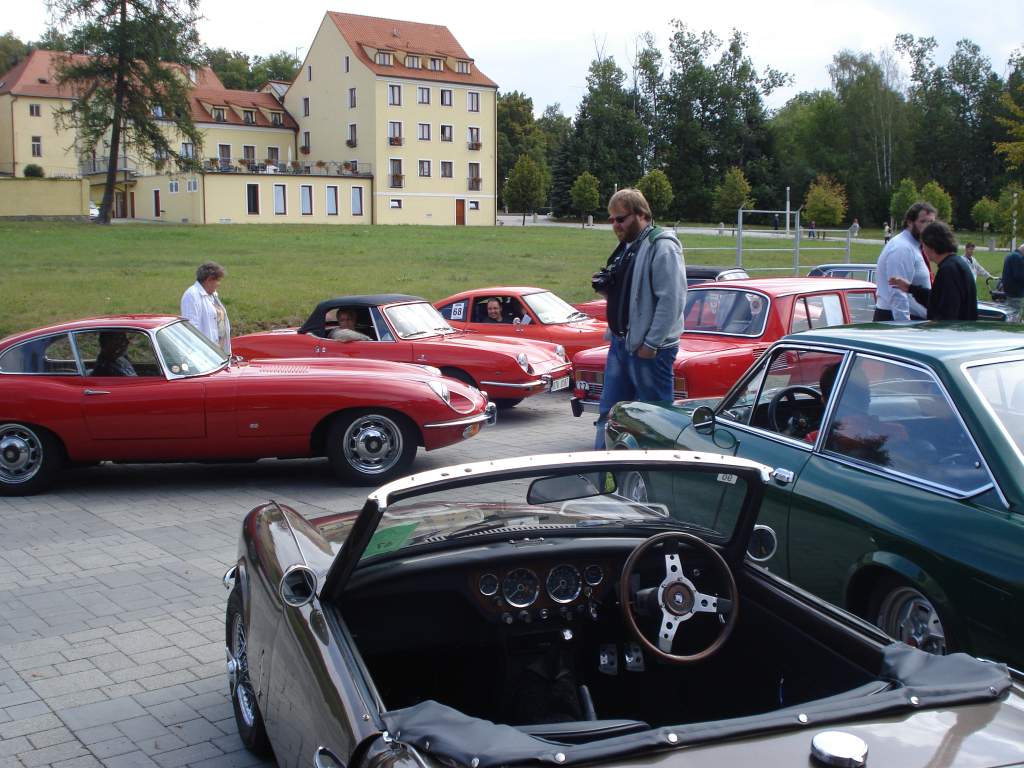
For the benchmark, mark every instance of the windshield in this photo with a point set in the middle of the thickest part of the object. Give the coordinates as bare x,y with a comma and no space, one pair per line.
1002,386
571,503
413,320
740,313
550,309
187,352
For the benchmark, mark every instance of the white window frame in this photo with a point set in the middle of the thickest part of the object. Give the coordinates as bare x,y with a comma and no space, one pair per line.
392,174
436,64
451,97
463,67
259,207
451,169
331,196
393,90
247,113
412,62
192,185
277,119
395,202
305,106
37,146
352,200
384,58
172,186
220,155
277,155
420,167
188,149
35,110
305,195
472,100
220,114
351,98
473,205
470,131
353,133
423,94
284,200
245,156
421,134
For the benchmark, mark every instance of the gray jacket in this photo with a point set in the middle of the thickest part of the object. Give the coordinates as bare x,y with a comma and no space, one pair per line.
658,292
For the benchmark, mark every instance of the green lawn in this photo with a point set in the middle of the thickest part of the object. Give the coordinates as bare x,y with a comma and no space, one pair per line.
56,271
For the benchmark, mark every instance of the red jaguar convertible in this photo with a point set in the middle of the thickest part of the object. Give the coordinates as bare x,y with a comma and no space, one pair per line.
730,324
152,388
408,329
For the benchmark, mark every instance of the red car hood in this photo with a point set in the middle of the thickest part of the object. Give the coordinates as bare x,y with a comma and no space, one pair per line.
537,351
690,345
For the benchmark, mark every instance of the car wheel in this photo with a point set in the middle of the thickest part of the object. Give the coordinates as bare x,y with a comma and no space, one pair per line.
904,613
506,403
29,459
370,447
243,696
633,486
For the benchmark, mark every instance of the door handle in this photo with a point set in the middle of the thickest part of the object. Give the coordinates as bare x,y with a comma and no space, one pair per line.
781,476
97,392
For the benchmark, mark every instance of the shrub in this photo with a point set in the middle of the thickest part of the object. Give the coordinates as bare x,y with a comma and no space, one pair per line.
933,193
985,212
732,194
825,203
904,196
33,171
656,187
585,194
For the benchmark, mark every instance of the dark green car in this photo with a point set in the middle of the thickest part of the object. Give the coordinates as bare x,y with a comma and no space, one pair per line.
898,488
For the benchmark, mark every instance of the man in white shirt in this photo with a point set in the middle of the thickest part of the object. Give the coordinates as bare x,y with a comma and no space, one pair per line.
201,306
901,257
976,268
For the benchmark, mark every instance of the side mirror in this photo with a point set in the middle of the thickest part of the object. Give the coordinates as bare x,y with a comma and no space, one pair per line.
546,490
763,544
298,586
703,420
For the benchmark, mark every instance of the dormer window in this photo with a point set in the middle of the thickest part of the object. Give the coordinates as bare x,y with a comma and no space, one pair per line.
218,115
249,116
276,119
463,67
412,62
436,64
384,57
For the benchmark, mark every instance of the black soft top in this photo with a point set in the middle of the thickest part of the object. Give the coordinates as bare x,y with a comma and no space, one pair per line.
315,322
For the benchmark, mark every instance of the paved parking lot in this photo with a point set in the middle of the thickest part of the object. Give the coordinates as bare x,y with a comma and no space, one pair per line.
112,608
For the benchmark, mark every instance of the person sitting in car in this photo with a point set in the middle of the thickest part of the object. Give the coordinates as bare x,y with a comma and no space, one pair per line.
111,360
346,328
494,314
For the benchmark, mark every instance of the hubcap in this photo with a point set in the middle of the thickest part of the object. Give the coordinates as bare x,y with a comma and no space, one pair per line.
238,672
21,453
373,444
907,615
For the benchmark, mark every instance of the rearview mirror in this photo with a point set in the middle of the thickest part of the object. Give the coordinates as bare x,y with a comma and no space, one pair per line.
547,490
703,420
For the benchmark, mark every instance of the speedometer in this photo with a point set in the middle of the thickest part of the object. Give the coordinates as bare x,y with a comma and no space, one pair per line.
564,583
520,587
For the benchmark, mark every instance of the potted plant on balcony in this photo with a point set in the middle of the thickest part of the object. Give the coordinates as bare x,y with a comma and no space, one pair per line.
320,164
304,150
347,167
244,162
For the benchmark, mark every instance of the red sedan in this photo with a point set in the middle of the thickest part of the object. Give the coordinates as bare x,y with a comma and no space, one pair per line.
408,329
523,313
152,388
729,325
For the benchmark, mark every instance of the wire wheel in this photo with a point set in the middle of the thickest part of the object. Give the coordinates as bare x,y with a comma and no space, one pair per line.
238,673
909,616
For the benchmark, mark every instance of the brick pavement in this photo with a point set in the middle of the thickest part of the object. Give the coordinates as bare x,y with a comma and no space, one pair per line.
112,608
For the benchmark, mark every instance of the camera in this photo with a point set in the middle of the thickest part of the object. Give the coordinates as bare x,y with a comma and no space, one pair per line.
603,280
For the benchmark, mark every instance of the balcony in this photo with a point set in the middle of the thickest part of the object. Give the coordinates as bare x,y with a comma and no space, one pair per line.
397,180
395,141
100,165
296,167
474,183
350,142
474,145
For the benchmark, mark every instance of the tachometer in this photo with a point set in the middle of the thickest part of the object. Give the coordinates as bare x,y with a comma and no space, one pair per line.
488,585
520,587
564,583
593,575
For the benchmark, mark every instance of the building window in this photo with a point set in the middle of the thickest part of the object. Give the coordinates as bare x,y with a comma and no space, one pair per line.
473,135
425,168
384,57
357,201
249,116
305,106
280,200
37,146
249,153
218,115
351,97
463,67
252,199
447,132
188,150
446,169
276,119
305,142
351,142
397,178
395,95
192,185
412,62
172,186
423,95
395,202
473,101
474,176
346,63
423,131
395,134
309,72
446,97
273,155
224,154
436,64
474,205
332,200
35,110
306,199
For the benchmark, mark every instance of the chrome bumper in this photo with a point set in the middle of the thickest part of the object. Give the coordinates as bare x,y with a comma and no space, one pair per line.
543,381
578,406
489,416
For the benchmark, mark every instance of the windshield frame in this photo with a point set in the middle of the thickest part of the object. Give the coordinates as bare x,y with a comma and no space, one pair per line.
965,369
419,334
155,337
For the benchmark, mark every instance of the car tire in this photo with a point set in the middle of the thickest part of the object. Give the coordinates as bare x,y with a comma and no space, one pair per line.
369,447
30,458
905,613
507,403
251,729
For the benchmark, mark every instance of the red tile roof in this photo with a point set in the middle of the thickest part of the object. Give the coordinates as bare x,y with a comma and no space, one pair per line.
225,97
409,37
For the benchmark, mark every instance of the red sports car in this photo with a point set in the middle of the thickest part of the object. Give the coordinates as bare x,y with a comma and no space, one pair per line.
523,313
730,324
152,388
408,329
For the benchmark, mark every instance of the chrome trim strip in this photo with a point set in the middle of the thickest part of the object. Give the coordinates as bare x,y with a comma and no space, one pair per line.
458,422
528,385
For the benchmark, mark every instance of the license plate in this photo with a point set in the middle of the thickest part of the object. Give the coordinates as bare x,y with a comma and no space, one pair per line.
562,383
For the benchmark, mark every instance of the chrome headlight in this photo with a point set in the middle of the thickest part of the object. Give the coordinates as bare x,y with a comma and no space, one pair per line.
560,351
441,390
524,363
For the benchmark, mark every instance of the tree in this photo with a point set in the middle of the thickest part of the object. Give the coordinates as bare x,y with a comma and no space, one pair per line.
732,194
1013,148
933,193
277,66
825,203
904,196
138,51
232,67
518,135
658,191
985,213
556,129
586,194
12,50
1007,209
527,186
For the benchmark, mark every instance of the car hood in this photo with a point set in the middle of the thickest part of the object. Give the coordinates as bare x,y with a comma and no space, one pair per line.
349,367
690,345
537,351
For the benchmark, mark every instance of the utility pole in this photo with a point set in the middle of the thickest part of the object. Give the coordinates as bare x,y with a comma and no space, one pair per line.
787,211
1013,228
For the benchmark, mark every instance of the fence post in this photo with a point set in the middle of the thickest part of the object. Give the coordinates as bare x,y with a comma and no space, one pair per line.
739,237
849,239
796,246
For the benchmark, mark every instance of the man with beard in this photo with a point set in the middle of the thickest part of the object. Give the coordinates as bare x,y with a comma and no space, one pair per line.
901,257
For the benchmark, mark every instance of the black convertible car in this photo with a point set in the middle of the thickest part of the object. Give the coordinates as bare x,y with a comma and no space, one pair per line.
598,607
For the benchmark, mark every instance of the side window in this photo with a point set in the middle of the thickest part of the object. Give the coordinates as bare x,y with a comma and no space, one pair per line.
861,306
51,355
117,353
817,312
381,325
896,417
454,311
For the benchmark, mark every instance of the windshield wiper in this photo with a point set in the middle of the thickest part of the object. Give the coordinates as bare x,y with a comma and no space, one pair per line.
582,315
414,334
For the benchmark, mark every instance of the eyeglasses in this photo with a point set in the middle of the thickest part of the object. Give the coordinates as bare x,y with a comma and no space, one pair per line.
619,219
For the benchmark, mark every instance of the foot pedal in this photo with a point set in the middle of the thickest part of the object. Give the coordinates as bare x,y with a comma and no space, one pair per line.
608,659
634,657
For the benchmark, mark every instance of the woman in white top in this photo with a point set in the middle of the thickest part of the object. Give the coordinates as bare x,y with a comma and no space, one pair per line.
201,305
976,268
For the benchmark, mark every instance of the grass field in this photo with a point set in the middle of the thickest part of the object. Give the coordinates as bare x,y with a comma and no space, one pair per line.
276,273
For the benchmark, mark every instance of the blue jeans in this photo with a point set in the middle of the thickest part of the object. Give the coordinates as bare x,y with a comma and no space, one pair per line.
629,377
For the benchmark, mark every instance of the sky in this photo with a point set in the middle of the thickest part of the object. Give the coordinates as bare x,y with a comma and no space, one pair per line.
544,49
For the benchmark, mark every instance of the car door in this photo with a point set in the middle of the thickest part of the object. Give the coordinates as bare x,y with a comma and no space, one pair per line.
773,417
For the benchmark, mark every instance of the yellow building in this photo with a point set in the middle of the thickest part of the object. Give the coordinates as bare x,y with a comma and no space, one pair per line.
386,122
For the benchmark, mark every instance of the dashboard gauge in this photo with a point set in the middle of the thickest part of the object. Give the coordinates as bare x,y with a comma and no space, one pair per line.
593,575
564,583
488,585
520,587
